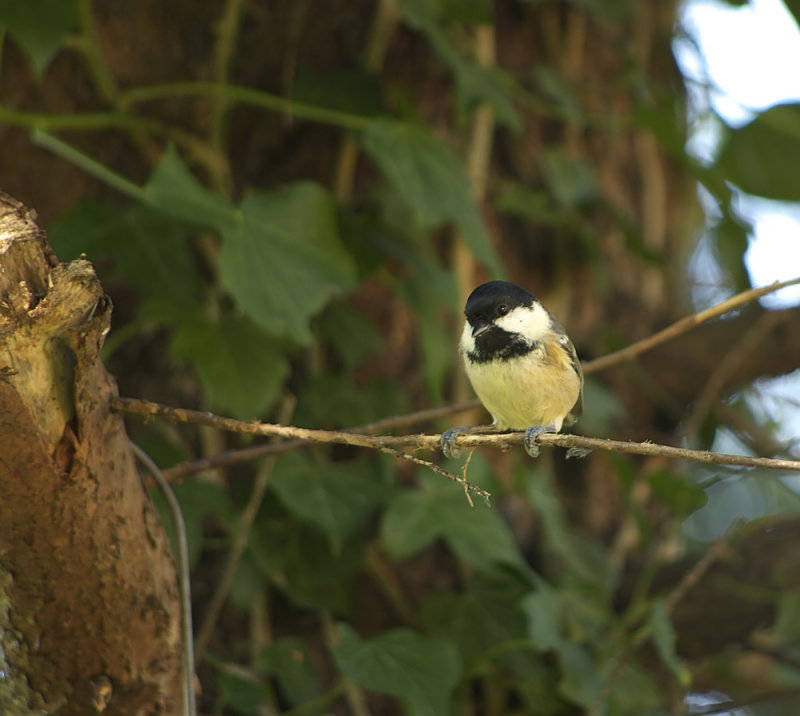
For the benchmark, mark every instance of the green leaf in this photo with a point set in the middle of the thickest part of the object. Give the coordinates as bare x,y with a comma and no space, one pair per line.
571,180
477,535
587,561
198,501
787,626
289,660
421,671
173,190
283,259
543,610
336,400
300,560
149,250
793,6
432,181
663,636
337,497
39,26
240,692
431,285
762,157
241,368
603,409
481,619
546,612
682,497
352,334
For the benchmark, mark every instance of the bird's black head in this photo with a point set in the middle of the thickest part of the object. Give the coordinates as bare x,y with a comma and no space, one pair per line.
493,300
487,304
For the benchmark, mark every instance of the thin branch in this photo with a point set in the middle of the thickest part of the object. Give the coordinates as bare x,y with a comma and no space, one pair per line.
432,442
727,366
683,325
247,96
240,541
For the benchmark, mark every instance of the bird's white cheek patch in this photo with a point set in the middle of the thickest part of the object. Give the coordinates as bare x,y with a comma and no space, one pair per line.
531,323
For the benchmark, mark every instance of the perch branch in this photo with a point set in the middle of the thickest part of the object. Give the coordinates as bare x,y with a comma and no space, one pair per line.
431,441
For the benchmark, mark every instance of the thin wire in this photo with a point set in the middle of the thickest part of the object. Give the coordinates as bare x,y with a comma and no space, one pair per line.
189,699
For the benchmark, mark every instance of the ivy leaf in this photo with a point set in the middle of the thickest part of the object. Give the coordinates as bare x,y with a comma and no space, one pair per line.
481,618
291,663
283,258
240,366
421,671
478,535
300,560
150,251
762,157
663,635
337,497
432,181
198,500
173,190
39,26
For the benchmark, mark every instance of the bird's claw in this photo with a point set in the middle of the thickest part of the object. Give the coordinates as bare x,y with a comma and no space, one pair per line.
532,438
448,443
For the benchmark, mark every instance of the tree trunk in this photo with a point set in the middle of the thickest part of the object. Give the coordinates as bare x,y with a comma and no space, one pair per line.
87,585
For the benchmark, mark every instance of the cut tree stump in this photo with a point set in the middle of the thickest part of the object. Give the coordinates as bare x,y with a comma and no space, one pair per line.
88,592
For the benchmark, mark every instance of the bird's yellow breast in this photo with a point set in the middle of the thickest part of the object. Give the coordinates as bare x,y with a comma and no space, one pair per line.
540,388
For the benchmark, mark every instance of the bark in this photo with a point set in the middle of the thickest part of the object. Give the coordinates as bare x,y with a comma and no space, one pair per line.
87,585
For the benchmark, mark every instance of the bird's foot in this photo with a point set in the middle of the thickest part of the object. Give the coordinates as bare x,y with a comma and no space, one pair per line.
532,438
448,442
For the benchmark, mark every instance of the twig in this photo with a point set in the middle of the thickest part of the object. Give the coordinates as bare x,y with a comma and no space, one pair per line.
727,366
468,486
683,325
189,697
248,516
689,580
432,442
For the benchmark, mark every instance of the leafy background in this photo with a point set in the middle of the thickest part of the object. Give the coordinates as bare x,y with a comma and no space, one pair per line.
288,204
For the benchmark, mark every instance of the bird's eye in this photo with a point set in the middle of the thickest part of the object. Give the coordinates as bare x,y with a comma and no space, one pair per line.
503,309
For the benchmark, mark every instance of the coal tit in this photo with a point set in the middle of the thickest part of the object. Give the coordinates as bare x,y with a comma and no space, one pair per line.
521,364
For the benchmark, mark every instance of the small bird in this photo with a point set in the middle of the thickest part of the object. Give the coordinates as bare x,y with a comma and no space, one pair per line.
521,364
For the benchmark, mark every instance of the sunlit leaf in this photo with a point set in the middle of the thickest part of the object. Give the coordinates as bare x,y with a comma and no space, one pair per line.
762,157
432,180
663,635
421,671
283,258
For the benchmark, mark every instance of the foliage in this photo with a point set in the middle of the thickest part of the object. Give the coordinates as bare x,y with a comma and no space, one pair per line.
303,293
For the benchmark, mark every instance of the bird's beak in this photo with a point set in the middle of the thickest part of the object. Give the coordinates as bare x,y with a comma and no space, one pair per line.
480,329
